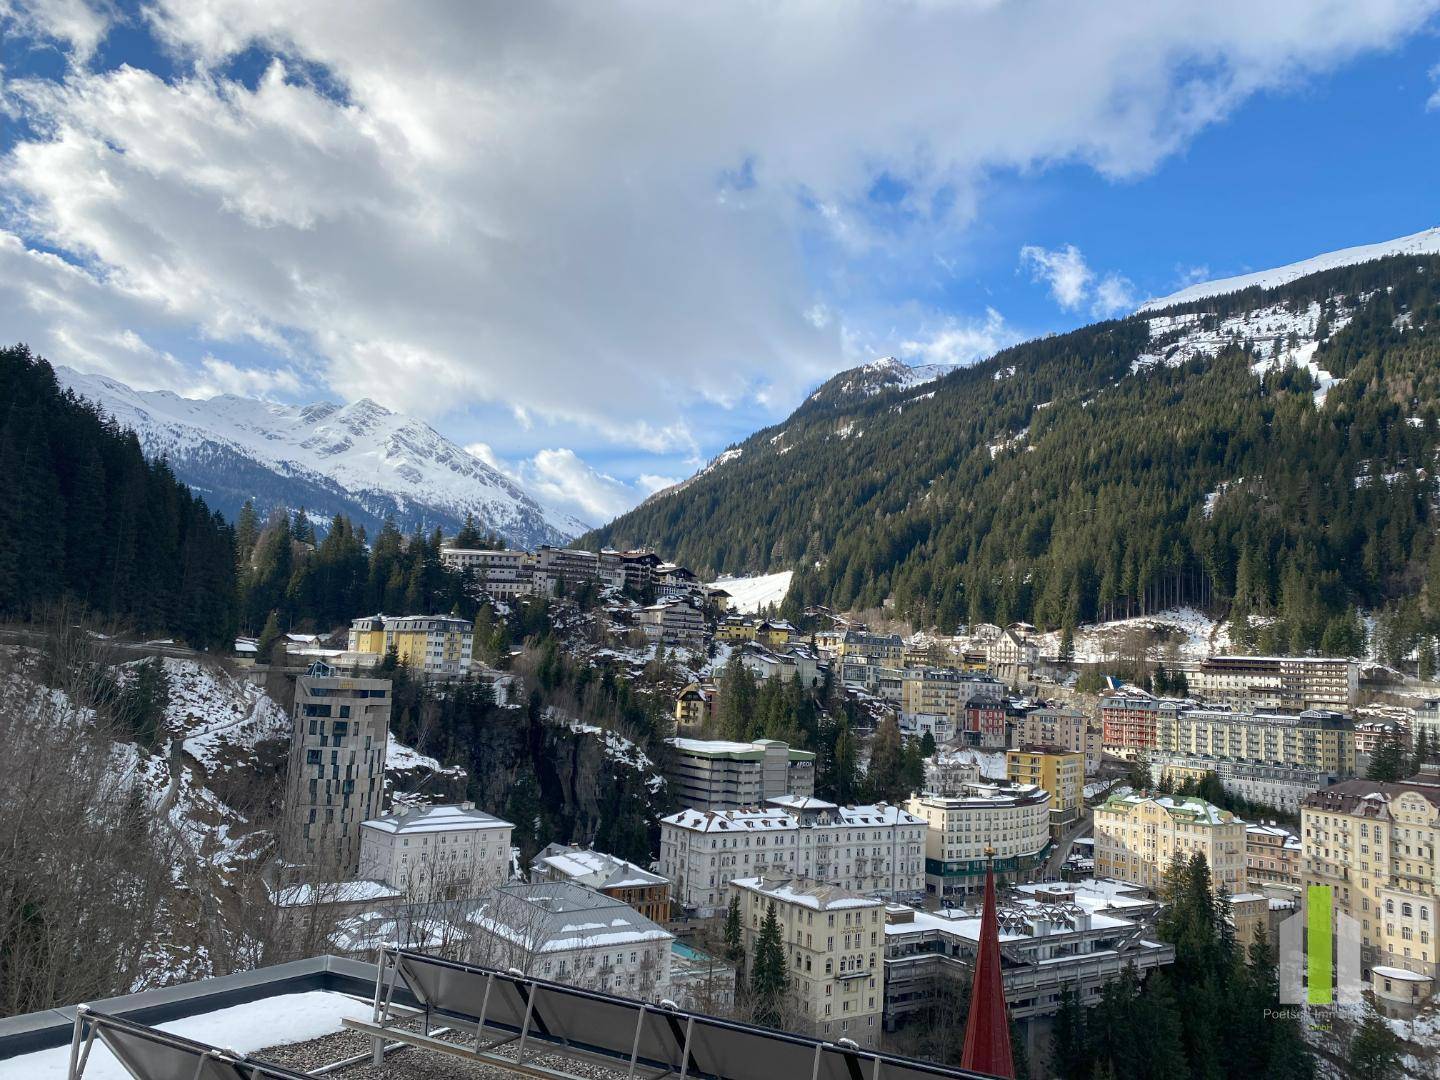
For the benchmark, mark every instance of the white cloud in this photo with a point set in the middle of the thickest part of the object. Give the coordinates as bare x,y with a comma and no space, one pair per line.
1114,295
560,478
1433,102
961,342
579,210
1063,269
1074,285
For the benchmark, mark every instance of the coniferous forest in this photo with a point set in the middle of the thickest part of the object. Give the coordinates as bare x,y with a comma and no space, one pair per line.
86,517
1055,484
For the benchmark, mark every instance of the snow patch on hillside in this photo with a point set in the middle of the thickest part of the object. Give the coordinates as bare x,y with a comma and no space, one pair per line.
748,594
1421,243
1182,633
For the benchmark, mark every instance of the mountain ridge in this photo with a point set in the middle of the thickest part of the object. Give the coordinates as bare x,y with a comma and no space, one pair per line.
359,459
1265,451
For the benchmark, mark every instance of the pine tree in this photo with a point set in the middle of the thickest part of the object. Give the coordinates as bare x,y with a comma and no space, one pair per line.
269,638
1387,761
769,981
734,939
1374,1051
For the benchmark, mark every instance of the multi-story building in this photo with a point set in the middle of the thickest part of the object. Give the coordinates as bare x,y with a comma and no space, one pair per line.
1061,725
876,849
1370,735
784,662
1012,656
566,568
1127,719
1315,739
1013,821
1137,837
986,722
502,573
713,774
433,644
1375,843
675,624
647,893
1059,771
1427,720
1050,942
674,581
1281,787
637,568
695,707
565,932
336,776
1272,856
943,694
1278,682
438,852
834,950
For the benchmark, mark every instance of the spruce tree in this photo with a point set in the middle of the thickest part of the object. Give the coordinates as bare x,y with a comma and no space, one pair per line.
769,981
1374,1052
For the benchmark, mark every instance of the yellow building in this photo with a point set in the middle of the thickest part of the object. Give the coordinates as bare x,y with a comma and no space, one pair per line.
1057,770
433,644
1138,836
1375,844
1315,739
734,628
776,632
834,950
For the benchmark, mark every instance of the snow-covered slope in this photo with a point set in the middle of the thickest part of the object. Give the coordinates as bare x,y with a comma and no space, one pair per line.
1421,243
359,459
756,593
886,373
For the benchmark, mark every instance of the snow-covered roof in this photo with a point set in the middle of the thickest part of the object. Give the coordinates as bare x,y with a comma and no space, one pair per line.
559,916
818,895
335,892
748,820
595,868
451,817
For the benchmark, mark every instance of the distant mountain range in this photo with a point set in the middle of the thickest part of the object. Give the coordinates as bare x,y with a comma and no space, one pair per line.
1265,443
361,460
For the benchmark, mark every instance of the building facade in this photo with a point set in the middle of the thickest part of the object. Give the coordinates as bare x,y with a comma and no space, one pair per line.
440,852
438,645
674,624
1137,837
1061,725
1272,856
1057,770
565,932
1281,787
647,893
1278,682
714,774
336,777
1011,820
874,849
1316,739
834,950
1375,844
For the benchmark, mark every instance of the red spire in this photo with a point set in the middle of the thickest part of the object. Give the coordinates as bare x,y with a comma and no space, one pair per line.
987,1032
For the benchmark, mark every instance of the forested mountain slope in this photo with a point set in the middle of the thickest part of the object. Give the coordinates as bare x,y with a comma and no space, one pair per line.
1269,452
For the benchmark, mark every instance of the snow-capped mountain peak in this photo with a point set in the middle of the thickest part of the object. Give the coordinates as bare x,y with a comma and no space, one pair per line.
360,459
1421,243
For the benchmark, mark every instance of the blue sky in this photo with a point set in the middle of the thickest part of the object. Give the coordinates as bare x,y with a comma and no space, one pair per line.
597,245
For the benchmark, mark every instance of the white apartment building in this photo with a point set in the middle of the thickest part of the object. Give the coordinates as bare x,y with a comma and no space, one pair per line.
504,574
1278,682
1283,787
1316,739
877,849
1013,820
437,852
834,950
567,933
1137,837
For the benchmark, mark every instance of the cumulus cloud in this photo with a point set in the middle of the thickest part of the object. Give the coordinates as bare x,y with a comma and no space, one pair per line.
560,478
958,341
1433,102
1074,285
1063,269
576,210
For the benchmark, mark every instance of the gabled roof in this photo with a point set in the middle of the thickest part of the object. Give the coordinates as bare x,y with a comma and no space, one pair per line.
595,869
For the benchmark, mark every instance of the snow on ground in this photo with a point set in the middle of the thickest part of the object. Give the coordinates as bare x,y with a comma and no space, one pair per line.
1188,635
277,1021
1421,243
991,762
617,748
1280,336
214,713
756,593
401,758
